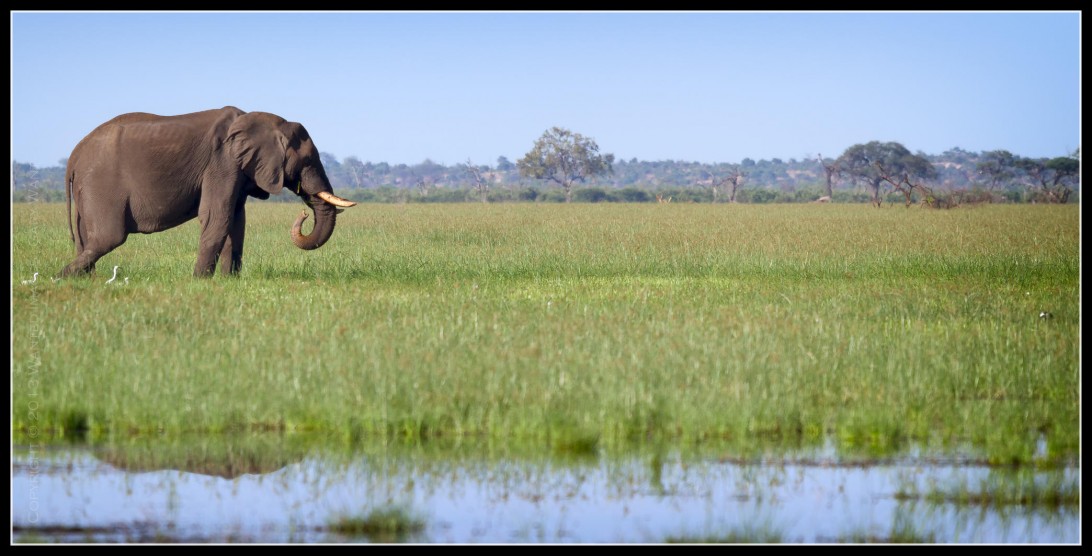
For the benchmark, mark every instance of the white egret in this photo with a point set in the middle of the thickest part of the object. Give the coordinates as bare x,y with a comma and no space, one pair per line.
112,278
32,280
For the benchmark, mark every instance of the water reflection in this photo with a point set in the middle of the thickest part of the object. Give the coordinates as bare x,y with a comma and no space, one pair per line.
277,490
227,457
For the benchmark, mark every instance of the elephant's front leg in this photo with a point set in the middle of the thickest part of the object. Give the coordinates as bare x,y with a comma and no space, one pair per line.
216,221
231,254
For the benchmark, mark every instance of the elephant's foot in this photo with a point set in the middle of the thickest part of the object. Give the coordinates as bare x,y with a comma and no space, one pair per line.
69,272
206,264
78,268
232,268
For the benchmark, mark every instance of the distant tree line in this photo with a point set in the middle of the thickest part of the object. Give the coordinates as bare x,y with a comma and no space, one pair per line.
871,172
32,184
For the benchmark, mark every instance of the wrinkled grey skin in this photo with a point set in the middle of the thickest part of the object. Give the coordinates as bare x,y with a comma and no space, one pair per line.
143,173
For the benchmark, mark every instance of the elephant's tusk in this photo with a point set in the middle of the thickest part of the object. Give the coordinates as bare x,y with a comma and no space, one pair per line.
335,200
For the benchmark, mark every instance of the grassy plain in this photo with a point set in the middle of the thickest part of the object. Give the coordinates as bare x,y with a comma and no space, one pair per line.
571,324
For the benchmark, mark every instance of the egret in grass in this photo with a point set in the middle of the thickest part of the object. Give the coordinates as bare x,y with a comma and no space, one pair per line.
114,277
32,280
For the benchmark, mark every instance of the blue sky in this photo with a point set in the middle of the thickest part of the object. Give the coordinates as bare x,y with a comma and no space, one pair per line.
705,87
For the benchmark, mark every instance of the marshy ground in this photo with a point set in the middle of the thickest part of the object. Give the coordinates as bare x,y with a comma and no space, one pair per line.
574,329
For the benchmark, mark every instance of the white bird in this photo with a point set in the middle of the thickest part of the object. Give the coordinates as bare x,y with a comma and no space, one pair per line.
32,280
114,276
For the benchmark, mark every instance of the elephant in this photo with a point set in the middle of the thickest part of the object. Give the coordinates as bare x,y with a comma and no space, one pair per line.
144,173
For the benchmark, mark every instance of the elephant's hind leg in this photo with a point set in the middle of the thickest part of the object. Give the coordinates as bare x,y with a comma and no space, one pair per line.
83,264
98,241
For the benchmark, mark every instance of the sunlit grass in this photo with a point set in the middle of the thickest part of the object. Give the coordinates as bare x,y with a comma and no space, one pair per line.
620,323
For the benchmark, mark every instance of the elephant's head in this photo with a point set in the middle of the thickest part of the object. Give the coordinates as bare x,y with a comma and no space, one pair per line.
275,154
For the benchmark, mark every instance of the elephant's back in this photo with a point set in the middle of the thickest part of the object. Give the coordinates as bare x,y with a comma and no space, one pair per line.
106,128
146,121
141,134
143,141
134,117
145,117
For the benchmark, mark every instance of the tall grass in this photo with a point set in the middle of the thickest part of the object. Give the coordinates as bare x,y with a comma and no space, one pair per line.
617,322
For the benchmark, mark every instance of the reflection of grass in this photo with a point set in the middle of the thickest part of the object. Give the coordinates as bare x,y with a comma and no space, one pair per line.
221,455
389,524
903,535
140,532
1006,488
879,328
28,537
910,535
747,534
74,425
579,445
903,531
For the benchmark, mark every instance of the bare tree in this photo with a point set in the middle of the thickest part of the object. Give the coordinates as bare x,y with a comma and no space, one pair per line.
901,182
736,179
714,182
832,172
479,182
424,185
355,169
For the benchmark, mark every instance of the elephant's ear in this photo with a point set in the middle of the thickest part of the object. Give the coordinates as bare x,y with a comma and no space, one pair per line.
259,149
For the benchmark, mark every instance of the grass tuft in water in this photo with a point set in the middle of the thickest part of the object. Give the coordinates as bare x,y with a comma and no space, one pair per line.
387,524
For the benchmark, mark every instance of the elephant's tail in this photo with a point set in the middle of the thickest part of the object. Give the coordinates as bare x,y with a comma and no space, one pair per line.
68,204
69,194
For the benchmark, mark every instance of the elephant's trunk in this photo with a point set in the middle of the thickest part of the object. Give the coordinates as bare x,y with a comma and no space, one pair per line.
316,191
325,217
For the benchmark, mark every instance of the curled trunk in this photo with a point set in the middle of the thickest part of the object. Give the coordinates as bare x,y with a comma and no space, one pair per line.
315,190
325,217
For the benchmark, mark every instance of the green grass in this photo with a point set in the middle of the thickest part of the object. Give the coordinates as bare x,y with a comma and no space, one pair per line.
616,323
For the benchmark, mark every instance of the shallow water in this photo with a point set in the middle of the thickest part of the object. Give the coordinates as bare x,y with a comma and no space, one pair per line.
74,495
